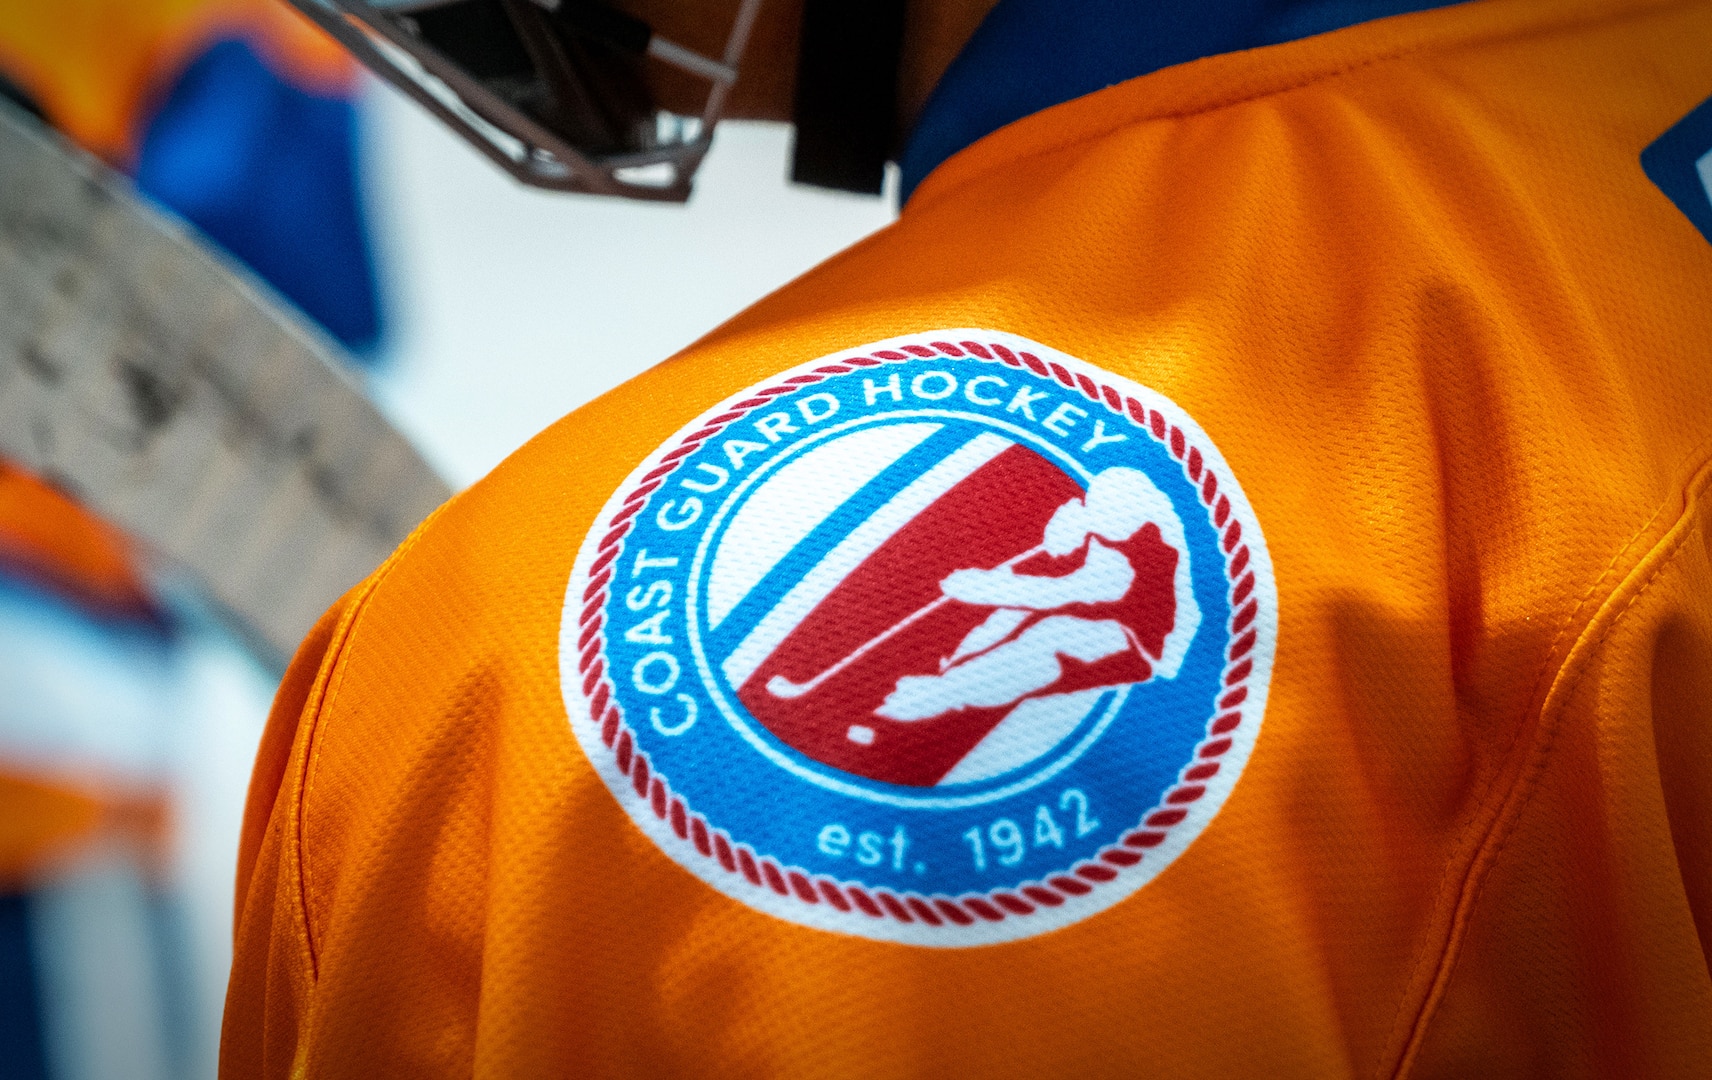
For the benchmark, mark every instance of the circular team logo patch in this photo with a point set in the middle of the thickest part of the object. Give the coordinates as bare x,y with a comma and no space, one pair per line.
950,640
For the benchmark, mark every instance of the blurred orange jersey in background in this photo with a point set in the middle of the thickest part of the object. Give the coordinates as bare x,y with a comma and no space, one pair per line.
97,67
1450,342
236,115
101,72
48,540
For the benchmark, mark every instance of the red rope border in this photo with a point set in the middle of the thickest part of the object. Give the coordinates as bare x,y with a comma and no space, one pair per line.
909,907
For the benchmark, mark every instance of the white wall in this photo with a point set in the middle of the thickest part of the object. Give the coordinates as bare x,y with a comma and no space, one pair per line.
510,307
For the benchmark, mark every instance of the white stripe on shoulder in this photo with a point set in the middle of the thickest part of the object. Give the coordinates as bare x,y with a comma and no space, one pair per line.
803,493
854,549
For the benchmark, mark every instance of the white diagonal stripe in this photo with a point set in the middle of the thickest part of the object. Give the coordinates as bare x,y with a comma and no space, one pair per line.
1026,733
854,549
791,504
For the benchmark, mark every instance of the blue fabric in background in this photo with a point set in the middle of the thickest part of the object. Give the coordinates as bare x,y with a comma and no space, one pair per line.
22,1056
269,172
1030,55
1673,163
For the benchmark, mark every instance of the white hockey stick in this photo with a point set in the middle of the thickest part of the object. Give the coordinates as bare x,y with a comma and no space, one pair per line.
781,687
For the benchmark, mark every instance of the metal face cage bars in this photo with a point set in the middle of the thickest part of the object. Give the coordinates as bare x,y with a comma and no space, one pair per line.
555,92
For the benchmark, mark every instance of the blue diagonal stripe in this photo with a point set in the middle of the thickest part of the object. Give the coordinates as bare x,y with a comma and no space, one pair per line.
840,523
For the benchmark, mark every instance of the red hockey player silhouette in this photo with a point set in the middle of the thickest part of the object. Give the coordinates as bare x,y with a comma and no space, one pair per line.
1106,600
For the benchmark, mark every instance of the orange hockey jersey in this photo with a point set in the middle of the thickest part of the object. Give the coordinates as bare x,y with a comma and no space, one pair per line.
728,730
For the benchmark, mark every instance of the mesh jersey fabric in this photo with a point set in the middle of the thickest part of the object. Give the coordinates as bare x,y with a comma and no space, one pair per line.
1411,278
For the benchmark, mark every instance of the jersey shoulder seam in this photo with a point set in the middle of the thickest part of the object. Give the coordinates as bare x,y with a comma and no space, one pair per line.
1559,684
337,664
